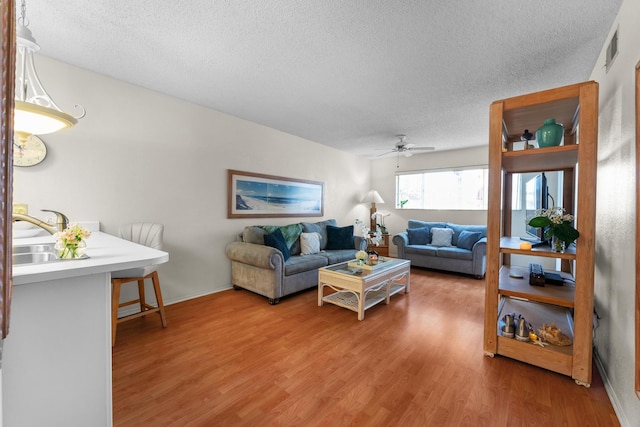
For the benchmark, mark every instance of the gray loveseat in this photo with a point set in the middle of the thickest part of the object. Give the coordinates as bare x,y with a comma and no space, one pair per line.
264,270
465,252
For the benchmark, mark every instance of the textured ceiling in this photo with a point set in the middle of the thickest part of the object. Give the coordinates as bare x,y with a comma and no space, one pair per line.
350,74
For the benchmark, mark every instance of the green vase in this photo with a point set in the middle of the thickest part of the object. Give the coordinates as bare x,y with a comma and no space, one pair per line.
549,134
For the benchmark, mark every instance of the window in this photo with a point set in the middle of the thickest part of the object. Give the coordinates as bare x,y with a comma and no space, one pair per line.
459,189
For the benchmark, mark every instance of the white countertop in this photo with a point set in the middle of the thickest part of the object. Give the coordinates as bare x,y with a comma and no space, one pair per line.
106,253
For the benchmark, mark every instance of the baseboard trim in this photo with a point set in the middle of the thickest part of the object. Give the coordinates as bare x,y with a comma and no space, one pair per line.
126,311
617,408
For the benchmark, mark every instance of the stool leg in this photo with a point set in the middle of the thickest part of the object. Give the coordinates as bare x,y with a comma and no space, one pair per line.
156,288
115,301
141,297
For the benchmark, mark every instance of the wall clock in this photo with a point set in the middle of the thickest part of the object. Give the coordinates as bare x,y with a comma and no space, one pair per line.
32,152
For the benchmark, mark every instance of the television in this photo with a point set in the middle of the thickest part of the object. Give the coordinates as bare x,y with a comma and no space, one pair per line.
536,196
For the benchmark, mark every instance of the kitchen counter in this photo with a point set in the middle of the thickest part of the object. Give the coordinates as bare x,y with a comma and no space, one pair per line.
106,253
56,363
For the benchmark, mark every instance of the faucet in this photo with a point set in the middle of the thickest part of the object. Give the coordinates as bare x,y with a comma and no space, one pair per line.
62,221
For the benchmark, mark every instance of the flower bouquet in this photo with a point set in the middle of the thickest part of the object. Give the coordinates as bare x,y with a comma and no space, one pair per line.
70,242
557,227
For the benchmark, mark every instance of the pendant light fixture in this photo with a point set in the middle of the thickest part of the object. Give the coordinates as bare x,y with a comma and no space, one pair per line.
35,112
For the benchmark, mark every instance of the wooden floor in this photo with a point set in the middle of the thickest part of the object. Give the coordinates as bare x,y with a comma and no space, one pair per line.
231,359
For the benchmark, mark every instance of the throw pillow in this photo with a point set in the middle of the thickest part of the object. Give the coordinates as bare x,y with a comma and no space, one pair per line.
340,237
310,243
319,227
467,239
419,236
276,240
441,236
290,232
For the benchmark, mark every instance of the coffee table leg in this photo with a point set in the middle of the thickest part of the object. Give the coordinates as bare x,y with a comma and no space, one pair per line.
320,293
360,306
388,287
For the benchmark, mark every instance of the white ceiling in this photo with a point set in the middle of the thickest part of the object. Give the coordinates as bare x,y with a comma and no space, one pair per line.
350,74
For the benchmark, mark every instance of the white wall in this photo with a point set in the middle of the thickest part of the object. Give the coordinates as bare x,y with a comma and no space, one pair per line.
383,173
616,216
142,156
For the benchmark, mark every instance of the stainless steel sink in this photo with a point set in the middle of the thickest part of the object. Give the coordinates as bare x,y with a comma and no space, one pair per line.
34,254
39,247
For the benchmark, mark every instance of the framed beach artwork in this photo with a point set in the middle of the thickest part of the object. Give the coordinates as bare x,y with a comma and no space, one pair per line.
254,195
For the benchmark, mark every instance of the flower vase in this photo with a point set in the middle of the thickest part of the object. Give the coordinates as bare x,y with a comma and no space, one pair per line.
557,245
70,250
549,134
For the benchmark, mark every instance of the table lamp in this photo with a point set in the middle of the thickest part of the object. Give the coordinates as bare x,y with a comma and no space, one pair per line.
372,197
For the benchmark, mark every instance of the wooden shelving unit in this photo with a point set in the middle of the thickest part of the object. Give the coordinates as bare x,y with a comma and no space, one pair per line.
569,305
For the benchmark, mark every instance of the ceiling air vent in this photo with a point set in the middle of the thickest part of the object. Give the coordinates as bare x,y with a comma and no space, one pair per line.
612,50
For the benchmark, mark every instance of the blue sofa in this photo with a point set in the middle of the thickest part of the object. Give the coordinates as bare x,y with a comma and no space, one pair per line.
465,253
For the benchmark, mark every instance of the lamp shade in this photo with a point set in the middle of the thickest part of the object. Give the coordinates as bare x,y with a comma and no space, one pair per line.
39,120
372,197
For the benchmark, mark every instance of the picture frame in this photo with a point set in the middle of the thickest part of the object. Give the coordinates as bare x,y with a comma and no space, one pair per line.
256,195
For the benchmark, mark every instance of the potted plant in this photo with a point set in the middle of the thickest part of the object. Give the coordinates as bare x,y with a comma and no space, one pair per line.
557,227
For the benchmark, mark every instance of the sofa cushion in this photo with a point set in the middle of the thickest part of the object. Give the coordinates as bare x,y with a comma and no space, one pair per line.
339,255
441,236
276,240
299,264
458,228
419,236
290,232
455,253
319,227
414,223
309,243
426,250
340,237
467,239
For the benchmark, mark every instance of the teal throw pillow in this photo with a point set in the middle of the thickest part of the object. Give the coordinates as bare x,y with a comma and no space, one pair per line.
290,232
276,240
467,239
340,237
419,236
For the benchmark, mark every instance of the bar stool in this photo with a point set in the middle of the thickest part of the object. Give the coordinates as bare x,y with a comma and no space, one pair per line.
146,234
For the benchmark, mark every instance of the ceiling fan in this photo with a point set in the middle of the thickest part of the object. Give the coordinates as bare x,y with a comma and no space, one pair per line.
406,149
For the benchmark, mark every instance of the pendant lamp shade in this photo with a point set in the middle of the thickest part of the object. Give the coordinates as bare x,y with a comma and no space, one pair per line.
35,112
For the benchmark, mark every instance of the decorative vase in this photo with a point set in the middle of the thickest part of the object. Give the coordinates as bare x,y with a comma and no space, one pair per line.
557,245
549,134
70,250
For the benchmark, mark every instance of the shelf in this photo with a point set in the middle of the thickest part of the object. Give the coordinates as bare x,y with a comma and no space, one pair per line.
349,300
551,357
511,245
540,159
551,294
575,107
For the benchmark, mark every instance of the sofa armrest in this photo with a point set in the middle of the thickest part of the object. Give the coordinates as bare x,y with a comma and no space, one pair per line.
401,240
360,243
479,252
260,256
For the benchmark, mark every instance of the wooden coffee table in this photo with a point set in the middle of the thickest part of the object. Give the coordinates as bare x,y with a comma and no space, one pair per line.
359,288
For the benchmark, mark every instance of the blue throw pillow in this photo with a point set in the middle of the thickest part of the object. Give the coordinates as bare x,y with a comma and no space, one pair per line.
419,236
276,240
467,239
340,237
